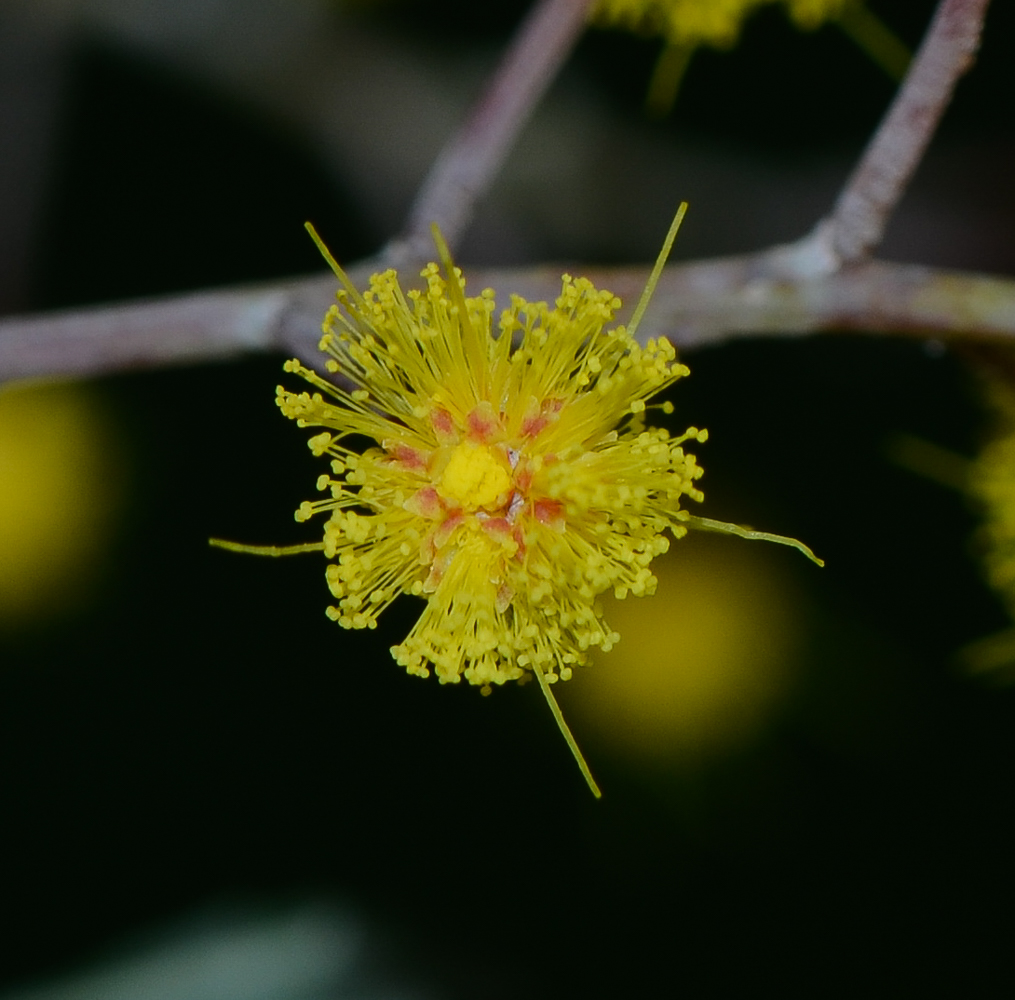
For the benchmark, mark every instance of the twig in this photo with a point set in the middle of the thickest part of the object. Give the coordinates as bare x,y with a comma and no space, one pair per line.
184,329
703,303
788,290
467,166
695,305
863,208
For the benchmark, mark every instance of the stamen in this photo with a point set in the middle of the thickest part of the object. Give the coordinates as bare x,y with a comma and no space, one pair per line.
653,280
332,263
565,731
707,524
265,550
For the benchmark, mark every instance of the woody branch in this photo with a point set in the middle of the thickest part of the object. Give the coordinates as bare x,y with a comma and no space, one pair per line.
792,289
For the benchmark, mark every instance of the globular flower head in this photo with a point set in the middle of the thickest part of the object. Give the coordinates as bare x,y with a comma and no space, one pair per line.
509,477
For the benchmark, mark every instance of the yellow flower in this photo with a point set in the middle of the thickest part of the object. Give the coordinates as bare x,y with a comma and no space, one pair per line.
992,484
61,489
686,25
690,23
511,477
810,14
988,480
501,489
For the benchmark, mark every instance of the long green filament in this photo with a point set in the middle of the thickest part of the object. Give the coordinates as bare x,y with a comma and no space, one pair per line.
872,35
653,280
332,263
442,249
454,286
707,524
931,461
671,67
265,550
565,731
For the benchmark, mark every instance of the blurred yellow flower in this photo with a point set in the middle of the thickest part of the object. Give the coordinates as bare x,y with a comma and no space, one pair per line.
690,23
810,14
686,25
991,485
59,492
988,480
702,666
512,477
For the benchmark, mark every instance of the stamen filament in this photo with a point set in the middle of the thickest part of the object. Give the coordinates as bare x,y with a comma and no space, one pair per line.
653,280
707,524
265,550
565,731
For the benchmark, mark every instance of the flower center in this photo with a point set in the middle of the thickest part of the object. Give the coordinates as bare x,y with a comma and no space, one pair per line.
475,477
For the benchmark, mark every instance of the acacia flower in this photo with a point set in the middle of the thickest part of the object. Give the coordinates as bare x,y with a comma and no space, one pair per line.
705,22
686,25
683,23
511,477
990,482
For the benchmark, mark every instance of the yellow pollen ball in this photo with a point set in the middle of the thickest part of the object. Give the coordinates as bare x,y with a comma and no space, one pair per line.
474,477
